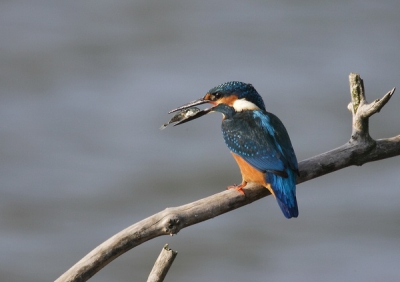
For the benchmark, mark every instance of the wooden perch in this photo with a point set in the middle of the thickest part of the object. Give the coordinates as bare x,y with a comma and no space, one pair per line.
162,265
360,149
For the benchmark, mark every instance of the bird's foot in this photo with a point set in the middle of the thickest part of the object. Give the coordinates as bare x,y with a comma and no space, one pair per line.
238,188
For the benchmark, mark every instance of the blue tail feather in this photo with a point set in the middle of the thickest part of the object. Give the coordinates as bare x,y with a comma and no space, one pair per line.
285,192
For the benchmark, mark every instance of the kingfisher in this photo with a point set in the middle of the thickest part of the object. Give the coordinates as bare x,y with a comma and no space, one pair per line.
257,139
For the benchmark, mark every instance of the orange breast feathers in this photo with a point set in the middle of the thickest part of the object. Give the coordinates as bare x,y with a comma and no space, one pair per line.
251,174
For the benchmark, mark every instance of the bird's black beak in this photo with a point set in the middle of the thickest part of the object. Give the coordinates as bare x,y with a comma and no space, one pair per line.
192,104
189,105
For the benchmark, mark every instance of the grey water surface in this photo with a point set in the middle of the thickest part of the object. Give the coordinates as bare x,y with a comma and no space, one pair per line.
85,86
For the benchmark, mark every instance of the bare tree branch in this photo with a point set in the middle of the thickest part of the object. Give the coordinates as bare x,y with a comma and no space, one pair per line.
359,150
162,265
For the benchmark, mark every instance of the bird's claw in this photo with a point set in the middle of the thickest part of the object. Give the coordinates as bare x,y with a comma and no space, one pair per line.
238,188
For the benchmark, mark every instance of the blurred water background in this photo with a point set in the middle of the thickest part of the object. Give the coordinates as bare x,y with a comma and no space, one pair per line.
85,86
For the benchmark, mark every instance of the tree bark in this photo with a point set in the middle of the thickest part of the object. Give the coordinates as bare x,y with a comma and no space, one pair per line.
162,265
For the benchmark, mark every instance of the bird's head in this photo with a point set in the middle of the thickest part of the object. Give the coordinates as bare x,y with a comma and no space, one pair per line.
233,95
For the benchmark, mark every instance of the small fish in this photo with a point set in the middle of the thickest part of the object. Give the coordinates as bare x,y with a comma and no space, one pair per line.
182,115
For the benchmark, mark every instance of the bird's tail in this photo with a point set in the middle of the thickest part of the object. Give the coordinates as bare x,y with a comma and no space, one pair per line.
285,192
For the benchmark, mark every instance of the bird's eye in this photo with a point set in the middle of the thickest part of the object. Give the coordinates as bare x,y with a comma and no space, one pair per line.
217,95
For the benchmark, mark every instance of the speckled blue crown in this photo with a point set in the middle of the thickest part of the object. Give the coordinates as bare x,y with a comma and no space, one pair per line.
243,90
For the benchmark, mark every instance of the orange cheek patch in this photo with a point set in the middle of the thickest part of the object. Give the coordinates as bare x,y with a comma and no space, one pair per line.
228,100
208,98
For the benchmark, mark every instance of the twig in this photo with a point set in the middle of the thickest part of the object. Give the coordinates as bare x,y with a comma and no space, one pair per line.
361,110
162,265
359,150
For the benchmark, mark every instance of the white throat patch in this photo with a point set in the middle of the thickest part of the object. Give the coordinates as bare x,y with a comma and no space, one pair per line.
241,105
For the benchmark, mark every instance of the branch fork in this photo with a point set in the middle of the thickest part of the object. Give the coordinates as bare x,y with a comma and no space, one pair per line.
362,111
